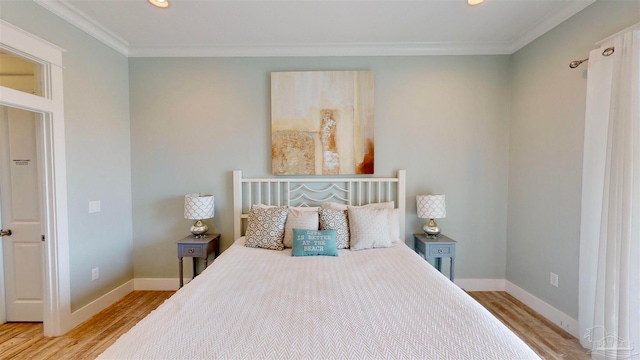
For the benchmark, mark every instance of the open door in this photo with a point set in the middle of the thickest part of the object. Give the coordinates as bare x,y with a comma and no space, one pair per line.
22,247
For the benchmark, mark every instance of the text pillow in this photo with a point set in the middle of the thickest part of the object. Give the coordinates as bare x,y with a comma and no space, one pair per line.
314,242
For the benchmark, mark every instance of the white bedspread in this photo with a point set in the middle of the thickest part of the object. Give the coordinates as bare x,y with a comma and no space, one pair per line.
380,303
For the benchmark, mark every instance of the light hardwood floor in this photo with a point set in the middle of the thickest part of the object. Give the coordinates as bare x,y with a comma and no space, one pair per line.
544,337
88,340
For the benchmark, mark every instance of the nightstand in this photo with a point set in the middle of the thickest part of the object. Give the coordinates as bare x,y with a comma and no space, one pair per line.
437,248
198,248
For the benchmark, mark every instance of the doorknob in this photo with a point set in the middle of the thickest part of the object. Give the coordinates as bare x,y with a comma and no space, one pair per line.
5,232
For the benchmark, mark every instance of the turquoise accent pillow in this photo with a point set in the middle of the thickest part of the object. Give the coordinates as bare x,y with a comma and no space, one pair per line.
314,242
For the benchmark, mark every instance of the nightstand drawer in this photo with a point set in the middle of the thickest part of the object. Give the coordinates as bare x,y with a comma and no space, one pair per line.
190,250
441,250
438,248
198,248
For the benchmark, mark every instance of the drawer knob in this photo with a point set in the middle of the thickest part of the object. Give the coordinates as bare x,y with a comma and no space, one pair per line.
440,251
190,250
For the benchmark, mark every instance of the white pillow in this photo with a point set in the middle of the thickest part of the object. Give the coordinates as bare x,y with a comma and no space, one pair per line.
394,225
394,216
368,227
299,218
333,205
306,208
382,205
301,208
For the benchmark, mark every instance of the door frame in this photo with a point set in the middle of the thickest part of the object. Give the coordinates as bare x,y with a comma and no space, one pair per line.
57,290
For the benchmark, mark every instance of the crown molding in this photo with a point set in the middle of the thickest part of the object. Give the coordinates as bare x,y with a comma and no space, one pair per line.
84,22
548,23
76,17
344,49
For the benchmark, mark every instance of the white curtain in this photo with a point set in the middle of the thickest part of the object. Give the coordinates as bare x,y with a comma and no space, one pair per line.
609,289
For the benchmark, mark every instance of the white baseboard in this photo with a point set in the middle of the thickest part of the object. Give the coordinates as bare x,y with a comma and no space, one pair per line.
86,312
154,284
552,314
481,284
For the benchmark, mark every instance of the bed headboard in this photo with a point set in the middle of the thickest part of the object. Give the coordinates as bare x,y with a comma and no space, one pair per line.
296,191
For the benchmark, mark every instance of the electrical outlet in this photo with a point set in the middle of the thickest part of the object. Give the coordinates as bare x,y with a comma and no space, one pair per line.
95,273
94,206
553,279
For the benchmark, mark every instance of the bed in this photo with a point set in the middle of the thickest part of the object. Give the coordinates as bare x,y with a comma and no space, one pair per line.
381,303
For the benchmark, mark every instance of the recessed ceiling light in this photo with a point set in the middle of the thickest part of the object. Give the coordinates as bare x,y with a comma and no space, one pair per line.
474,2
160,3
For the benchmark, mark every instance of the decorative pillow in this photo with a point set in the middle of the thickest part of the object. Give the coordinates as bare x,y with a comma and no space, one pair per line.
299,219
369,227
265,228
331,219
394,221
314,242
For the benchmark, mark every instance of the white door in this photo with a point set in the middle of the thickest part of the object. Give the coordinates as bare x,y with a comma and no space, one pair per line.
20,212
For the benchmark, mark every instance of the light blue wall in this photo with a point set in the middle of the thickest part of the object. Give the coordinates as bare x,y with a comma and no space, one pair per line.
545,151
442,118
98,151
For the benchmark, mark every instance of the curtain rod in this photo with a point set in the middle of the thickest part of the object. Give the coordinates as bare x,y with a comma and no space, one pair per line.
607,52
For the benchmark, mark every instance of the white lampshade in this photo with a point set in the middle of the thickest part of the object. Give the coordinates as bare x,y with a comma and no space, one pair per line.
431,206
198,207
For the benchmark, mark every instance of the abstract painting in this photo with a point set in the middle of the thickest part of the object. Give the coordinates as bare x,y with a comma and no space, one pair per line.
322,122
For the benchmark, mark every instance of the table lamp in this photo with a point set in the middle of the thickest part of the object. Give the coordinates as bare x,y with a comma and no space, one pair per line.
431,207
198,207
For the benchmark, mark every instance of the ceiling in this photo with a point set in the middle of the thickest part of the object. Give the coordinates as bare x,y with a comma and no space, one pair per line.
315,27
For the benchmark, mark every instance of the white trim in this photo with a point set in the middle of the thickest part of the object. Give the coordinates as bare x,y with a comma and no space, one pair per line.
353,49
153,284
548,23
19,40
57,289
481,284
139,284
552,314
86,312
84,22
26,101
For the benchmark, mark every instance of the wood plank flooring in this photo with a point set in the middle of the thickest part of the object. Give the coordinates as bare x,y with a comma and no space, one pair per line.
88,340
544,337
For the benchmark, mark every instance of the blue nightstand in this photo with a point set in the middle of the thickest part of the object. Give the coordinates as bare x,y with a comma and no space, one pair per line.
437,248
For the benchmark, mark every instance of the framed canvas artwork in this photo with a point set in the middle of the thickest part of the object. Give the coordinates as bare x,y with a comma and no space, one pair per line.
322,123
